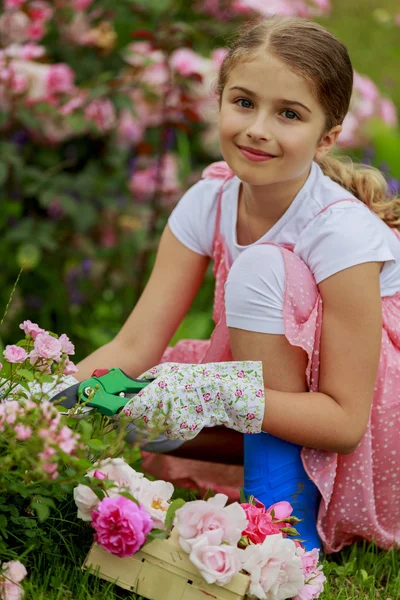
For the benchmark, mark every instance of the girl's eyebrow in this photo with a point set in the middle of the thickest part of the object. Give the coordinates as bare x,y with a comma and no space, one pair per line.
280,100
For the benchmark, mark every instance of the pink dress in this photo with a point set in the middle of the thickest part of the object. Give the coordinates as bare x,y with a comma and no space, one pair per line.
360,492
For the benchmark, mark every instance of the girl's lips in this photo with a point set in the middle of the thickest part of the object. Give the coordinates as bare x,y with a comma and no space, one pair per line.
255,155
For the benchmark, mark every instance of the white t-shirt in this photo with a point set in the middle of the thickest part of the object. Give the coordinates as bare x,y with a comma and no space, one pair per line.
344,235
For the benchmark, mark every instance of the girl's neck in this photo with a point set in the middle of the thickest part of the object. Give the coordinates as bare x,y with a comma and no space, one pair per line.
270,202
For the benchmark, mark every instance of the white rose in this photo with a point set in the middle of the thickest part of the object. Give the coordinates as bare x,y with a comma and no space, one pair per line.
116,469
86,501
154,496
216,563
275,570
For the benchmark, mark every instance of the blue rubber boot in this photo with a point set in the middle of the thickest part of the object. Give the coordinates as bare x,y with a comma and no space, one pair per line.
273,471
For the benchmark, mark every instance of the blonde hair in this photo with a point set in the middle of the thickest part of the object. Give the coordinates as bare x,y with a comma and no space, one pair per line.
311,51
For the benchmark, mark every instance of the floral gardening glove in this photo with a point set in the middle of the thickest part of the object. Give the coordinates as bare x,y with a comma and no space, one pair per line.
185,398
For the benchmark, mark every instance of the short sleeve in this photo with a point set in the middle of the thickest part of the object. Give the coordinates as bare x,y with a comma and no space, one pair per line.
193,219
344,235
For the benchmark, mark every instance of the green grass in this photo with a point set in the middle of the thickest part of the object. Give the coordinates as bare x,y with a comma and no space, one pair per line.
360,573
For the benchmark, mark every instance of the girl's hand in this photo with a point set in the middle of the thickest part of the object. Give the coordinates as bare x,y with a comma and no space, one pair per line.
185,398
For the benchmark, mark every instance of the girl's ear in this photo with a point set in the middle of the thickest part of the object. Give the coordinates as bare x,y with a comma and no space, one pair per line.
327,141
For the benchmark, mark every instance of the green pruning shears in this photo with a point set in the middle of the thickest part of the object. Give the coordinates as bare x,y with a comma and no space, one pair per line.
107,391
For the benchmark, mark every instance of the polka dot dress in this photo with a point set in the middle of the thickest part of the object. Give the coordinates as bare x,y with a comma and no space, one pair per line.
360,491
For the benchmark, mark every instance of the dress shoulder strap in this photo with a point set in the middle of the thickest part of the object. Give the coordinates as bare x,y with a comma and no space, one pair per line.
218,170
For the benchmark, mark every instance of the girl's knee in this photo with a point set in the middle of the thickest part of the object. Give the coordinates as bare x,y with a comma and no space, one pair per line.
255,290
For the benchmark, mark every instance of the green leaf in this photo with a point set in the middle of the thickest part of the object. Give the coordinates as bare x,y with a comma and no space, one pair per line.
242,497
3,521
28,375
209,494
41,509
170,516
96,445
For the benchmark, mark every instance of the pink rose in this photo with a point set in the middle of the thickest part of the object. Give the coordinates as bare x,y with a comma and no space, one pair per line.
309,561
312,588
121,526
241,374
66,344
15,354
13,572
207,397
260,393
184,425
199,409
282,510
70,368
239,393
250,416
260,523
216,563
162,384
274,568
47,346
199,517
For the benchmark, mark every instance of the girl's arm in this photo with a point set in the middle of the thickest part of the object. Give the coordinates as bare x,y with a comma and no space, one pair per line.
172,286
334,418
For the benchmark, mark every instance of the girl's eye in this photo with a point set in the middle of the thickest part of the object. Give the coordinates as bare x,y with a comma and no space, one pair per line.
244,103
290,114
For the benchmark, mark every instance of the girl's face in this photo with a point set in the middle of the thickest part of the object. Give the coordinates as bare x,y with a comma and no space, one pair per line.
268,109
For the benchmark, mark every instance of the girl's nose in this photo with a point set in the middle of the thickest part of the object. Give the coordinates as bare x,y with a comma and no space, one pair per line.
258,129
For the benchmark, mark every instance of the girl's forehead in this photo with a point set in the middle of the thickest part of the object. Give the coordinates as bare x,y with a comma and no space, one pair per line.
265,74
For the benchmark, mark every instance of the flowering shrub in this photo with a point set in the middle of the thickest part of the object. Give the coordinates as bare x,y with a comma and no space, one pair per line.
104,109
44,454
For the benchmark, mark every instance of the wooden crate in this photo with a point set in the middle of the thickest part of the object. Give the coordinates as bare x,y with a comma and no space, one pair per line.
162,571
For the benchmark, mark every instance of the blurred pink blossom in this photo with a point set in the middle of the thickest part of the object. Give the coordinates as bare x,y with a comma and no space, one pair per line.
218,55
388,112
130,129
40,11
15,354
81,4
140,54
143,184
314,587
23,432
60,79
36,30
186,62
14,27
10,4
102,113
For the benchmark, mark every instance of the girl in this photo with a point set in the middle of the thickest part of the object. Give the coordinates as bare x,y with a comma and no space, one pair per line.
307,270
